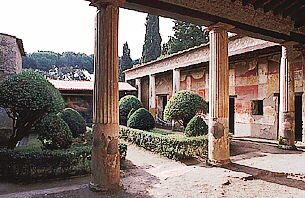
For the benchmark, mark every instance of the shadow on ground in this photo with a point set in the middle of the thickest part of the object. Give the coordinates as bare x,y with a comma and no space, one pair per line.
133,174
239,147
287,179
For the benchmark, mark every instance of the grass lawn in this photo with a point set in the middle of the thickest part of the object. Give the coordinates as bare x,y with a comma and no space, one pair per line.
160,132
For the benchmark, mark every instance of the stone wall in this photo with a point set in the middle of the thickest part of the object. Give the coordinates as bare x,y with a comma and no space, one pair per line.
10,56
10,62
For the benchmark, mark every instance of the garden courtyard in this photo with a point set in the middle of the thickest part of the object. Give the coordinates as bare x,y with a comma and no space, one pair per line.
258,169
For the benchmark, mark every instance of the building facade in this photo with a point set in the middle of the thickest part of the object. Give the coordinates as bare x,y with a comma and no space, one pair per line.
78,95
254,68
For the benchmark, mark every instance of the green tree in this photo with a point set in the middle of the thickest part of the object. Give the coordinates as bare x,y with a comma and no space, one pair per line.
54,132
126,104
46,60
125,62
75,121
196,127
183,106
27,97
141,119
186,35
152,43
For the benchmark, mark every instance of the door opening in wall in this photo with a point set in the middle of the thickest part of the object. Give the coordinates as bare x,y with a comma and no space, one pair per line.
162,101
231,114
298,117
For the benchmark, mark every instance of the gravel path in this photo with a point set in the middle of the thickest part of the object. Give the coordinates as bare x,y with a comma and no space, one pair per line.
257,170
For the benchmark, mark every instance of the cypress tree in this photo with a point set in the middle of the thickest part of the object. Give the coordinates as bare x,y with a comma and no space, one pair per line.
186,35
152,44
125,62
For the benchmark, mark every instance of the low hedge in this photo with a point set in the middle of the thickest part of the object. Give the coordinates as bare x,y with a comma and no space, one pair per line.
175,147
41,164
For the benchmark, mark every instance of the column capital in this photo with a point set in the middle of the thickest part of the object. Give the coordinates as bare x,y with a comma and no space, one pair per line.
219,25
288,44
290,49
102,3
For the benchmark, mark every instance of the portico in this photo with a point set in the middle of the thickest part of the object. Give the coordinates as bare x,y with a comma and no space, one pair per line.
279,21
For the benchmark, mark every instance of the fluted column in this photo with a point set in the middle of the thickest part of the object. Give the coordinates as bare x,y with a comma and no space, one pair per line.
152,94
287,106
105,155
176,80
139,87
219,152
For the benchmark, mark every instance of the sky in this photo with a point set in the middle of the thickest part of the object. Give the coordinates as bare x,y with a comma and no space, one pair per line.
68,25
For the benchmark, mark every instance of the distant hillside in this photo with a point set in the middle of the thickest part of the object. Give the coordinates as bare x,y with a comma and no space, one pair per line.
46,60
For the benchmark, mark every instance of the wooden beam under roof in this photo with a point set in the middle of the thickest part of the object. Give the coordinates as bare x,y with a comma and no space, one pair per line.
259,4
289,11
280,9
270,5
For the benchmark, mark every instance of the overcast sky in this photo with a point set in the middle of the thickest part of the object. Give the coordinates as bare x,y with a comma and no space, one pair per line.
68,25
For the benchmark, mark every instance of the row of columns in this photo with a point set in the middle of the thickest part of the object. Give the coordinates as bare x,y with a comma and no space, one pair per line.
219,96
105,155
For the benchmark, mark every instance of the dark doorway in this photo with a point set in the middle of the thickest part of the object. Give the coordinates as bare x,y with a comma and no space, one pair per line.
298,117
231,114
162,101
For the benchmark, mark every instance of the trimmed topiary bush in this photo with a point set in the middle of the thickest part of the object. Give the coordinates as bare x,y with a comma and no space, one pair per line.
27,97
75,121
131,112
54,132
196,127
141,119
126,104
183,106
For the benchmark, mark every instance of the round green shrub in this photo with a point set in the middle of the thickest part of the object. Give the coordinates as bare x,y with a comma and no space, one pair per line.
131,112
183,106
196,127
30,96
141,119
126,104
54,132
75,121
30,91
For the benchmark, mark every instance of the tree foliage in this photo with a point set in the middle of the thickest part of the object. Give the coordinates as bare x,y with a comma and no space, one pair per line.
152,42
125,62
196,127
183,106
126,104
27,97
141,119
75,121
54,132
186,35
46,60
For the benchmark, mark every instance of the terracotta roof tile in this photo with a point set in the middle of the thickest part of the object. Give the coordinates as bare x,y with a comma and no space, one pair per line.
85,85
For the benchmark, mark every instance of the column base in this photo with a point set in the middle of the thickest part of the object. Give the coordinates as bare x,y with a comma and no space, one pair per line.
103,189
219,163
287,147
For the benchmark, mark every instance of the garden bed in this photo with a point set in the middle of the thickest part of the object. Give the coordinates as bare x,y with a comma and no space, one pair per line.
38,164
172,146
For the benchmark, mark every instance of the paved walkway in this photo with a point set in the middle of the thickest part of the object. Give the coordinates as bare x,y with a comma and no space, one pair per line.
257,170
